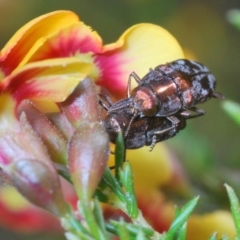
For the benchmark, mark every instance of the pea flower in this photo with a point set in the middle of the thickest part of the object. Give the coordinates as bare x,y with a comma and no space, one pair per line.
43,63
61,35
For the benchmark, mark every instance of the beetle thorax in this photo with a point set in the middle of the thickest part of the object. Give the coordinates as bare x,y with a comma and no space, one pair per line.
144,100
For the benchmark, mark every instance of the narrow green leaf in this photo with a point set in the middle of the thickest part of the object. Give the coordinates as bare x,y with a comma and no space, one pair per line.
122,230
235,238
102,197
177,212
213,237
233,17
141,236
97,211
234,208
90,220
181,218
82,236
112,229
233,110
119,154
63,171
225,237
127,181
73,226
183,232
134,229
113,184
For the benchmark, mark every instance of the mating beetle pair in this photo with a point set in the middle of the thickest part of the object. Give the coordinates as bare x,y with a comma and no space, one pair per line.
144,130
159,106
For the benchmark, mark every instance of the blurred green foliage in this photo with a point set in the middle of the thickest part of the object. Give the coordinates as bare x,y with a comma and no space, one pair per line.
203,30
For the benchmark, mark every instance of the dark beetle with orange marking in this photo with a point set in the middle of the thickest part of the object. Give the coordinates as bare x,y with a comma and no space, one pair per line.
169,88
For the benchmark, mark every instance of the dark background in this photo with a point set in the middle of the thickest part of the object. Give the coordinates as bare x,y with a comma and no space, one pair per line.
202,29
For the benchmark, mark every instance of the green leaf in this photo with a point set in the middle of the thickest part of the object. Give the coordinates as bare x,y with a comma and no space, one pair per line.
127,181
74,227
97,211
112,229
233,110
100,195
141,236
183,232
233,17
119,154
82,236
113,184
122,230
234,208
90,219
213,237
225,237
181,218
134,229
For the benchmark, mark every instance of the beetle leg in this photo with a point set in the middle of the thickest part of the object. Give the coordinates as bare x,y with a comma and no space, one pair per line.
174,120
154,141
137,79
154,138
218,95
109,100
103,99
198,112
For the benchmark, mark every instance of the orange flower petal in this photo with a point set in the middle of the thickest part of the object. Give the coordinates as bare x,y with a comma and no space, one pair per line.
50,80
25,37
140,48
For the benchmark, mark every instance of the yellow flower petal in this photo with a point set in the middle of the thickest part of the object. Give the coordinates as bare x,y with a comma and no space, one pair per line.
18,46
151,169
12,199
76,39
150,44
7,112
203,226
48,80
140,48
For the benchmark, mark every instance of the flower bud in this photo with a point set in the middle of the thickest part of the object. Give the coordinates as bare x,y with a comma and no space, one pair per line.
49,134
82,104
88,155
39,184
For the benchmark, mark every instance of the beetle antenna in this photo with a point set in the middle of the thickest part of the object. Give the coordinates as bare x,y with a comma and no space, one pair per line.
122,106
130,123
